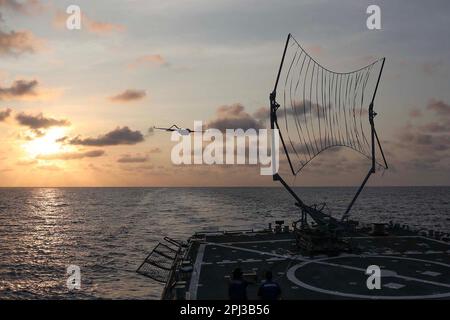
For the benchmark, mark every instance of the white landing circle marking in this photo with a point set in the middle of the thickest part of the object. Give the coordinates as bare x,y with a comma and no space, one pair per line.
291,276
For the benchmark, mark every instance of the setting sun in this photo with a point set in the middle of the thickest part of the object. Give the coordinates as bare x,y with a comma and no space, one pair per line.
47,144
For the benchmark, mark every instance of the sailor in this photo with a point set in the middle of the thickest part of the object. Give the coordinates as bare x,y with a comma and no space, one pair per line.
269,290
238,286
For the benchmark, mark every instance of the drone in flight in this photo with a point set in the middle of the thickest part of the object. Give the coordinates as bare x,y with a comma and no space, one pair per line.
181,131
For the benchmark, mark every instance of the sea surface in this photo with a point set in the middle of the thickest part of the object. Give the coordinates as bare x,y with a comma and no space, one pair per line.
107,232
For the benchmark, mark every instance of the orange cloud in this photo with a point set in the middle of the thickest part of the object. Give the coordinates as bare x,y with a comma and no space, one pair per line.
129,95
150,59
18,42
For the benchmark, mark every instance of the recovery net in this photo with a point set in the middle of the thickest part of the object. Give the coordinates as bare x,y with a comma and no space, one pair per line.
322,109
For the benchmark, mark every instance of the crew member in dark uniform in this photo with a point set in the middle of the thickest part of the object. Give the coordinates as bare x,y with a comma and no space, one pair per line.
269,290
238,286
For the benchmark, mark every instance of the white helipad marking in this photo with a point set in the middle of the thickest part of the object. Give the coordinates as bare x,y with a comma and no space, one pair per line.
393,285
252,260
226,262
260,241
432,252
291,276
431,273
196,272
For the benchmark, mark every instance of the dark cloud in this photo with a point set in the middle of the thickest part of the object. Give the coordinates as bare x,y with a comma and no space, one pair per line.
15,43
303,108
132,159
20,88
72,155
119,136
234,117
129,95
38,121
5,114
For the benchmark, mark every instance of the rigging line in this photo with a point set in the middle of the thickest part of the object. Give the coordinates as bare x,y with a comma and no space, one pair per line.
304,104
362,103
310,108
351,129
330,116
318,109
284,100
292,101
330,147
345,109
296,117
349,141
355,97
351,111
296,106
304,107
338,110
337,141
323,104
331,71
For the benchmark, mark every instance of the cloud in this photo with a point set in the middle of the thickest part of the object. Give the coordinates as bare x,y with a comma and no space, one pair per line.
303,108
439,107
119,136
262,113
129,95
15,43
101,27
150,59
72,155
25,7
431,68
132,159
38,121
87,23
5,114
19,89
234,117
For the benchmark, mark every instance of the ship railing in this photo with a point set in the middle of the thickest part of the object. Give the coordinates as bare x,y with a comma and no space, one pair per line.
160,262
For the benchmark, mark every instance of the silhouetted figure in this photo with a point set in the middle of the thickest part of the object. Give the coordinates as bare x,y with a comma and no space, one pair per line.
269,290
238,286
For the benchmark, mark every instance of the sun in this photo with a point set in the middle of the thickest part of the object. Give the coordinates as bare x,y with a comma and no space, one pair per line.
47,144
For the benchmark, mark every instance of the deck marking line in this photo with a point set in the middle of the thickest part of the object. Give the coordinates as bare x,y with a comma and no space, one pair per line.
196,272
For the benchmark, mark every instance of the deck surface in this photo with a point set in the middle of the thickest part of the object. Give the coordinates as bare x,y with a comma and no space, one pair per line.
412,266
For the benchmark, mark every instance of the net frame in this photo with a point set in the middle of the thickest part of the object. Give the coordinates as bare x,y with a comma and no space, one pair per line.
333,139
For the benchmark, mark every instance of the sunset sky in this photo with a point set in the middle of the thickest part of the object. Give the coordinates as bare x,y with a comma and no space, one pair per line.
76,105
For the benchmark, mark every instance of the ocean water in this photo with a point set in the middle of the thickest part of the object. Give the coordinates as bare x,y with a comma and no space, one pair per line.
107,232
